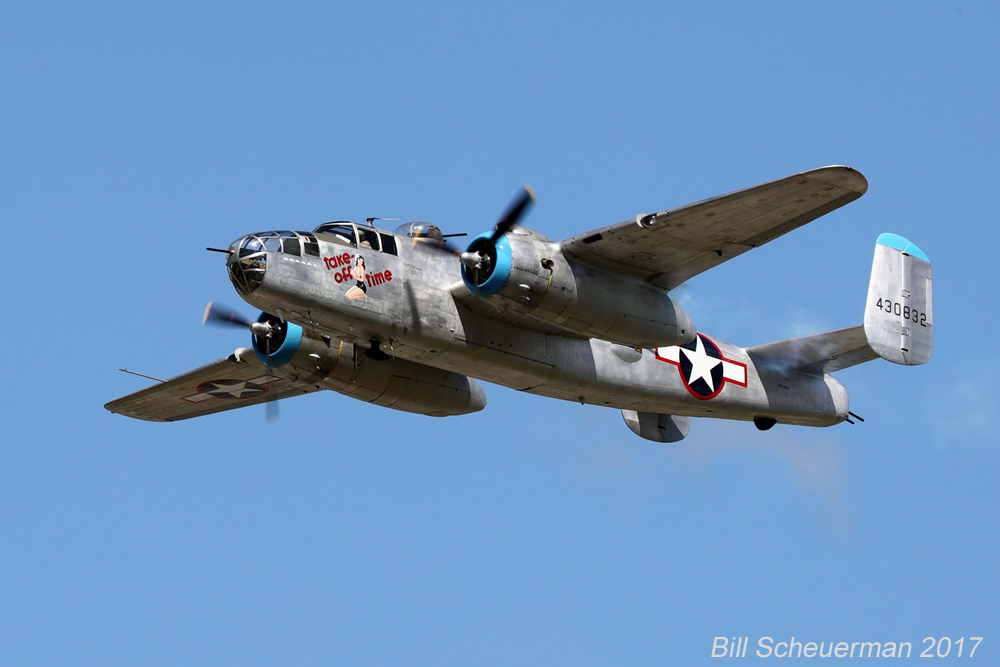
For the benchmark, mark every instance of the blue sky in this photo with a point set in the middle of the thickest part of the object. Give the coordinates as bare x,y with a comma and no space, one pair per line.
535,532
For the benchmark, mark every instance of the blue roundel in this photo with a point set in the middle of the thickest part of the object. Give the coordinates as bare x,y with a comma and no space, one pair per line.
501,268
286,350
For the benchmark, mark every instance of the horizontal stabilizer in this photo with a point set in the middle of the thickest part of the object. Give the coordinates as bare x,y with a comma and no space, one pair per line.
817,354
899,315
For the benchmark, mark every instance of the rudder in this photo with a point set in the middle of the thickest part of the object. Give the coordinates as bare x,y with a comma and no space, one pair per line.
899,315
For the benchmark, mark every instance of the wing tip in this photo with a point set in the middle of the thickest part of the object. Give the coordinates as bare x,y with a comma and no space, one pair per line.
842,176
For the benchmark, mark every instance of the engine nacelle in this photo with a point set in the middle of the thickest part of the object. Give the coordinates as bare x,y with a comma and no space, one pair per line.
342,367
529,275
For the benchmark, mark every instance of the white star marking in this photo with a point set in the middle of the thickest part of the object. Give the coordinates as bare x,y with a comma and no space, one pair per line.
701,364
234,390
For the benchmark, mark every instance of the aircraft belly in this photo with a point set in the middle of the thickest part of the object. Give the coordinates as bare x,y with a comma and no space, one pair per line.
601,373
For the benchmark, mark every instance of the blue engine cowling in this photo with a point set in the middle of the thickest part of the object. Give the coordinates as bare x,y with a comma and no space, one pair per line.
281,346
490,280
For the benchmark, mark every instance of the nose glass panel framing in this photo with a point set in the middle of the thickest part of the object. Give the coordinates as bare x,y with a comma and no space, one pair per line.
246,269
248,262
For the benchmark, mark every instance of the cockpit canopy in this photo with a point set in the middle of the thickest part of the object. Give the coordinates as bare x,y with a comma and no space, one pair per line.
357,236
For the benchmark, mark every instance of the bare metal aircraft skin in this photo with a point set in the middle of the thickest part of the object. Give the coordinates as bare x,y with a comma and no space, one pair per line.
405,320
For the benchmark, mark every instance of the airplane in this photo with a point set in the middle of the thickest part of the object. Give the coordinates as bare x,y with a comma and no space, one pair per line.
407,320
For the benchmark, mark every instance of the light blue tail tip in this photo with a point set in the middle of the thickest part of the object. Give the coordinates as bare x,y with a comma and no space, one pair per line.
899,243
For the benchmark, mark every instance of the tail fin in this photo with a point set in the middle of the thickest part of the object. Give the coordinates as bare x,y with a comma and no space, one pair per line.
899,315
899,319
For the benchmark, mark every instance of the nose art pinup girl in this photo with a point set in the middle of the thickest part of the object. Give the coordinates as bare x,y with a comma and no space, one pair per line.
360,289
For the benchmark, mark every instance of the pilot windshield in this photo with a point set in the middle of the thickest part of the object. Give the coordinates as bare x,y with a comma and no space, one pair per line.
368,238
338,232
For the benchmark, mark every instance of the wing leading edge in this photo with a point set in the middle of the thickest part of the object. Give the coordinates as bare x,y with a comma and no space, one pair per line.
672,246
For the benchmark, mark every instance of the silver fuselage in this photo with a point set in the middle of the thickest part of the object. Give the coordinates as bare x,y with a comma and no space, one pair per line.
418,308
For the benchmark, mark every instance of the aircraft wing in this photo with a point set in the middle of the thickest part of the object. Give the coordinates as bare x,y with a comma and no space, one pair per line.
819,353
670,247
233,382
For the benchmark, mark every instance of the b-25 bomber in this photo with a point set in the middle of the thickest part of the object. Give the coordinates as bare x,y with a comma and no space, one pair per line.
408,321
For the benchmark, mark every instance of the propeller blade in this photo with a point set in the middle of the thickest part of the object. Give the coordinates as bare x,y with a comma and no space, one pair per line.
272,412
222,316
518,207
266,340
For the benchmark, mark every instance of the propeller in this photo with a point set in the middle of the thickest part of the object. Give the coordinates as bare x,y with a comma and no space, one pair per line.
224,317
481,255
517,208
219,315
272,412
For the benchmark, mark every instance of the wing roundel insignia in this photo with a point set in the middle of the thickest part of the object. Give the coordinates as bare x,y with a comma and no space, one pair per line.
703,369
239,389
232,389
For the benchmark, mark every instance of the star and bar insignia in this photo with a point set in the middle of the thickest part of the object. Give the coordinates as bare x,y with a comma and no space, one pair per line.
703,369
232,389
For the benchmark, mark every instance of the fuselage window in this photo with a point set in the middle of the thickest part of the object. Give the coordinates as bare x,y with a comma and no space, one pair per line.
312,247
291,246
273,244
367,238
388,243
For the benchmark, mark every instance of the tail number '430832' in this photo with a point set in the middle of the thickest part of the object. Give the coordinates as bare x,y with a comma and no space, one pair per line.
907,313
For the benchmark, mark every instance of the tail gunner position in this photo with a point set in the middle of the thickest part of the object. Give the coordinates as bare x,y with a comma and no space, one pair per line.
408,321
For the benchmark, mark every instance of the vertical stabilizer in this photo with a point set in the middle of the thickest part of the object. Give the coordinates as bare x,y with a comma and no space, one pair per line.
899,315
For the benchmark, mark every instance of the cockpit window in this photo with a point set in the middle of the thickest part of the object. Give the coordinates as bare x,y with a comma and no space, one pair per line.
368,238
273,244
360,236
290,246
338,232
388,243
